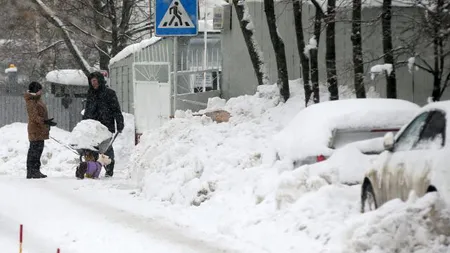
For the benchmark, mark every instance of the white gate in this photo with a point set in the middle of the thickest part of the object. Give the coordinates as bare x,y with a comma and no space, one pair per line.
152,98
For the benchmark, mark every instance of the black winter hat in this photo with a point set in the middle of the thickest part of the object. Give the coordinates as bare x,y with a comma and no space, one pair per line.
99,76
34,87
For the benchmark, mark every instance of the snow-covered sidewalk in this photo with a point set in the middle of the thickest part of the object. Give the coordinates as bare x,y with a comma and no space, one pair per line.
90,216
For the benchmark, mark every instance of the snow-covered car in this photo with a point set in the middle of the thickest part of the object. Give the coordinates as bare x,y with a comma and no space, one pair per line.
348,164
318,130
414,160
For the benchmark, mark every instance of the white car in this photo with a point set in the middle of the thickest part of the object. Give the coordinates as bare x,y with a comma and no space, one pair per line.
415,160
318,130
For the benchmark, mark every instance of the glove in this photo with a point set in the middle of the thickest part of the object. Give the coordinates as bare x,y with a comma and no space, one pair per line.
50,122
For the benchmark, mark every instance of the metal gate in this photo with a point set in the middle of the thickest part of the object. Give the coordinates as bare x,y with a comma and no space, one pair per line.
152,94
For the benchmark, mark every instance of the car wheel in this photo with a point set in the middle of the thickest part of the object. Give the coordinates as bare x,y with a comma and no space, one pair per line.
368,200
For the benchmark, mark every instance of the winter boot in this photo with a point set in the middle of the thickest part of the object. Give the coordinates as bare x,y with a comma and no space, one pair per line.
40,175
109,169
33,174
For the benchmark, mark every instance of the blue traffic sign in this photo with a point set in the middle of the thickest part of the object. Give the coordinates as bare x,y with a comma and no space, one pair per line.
176,18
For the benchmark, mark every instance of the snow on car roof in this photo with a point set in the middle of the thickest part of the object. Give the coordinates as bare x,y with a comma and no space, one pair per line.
310,130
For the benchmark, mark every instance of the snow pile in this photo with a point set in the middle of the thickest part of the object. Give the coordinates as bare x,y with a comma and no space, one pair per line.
13,156
67,77
89,133
191,158
124,143
419,225
310,131
293,184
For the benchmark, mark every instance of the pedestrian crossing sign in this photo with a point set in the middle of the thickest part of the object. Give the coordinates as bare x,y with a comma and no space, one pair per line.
176,18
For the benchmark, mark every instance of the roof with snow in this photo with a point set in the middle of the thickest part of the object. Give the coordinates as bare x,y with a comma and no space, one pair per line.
133,48
311,129
67,77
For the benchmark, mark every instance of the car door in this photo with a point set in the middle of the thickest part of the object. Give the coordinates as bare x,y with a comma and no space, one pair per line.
411,160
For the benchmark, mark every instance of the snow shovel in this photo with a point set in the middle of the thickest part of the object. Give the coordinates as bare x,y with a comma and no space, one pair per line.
65,145
104,146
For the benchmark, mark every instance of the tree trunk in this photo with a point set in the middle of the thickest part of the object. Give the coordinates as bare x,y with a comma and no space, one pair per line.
250,42
436,75
358,65
301,49
314,57
278,46
331,51
102,47
391,85
438,46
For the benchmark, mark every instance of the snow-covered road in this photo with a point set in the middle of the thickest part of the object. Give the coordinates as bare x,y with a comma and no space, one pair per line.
82,216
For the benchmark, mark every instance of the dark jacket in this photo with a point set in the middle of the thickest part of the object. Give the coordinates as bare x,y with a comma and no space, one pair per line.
102,105
37,113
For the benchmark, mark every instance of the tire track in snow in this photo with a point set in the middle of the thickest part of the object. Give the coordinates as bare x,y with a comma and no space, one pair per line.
152,227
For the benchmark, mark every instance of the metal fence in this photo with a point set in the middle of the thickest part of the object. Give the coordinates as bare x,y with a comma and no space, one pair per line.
65,111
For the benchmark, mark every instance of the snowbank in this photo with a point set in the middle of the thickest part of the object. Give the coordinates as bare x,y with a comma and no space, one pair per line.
67,77
419,225
310,131
55,159
190,159
225,178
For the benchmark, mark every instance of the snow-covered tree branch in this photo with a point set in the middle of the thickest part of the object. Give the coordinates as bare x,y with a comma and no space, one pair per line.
47,13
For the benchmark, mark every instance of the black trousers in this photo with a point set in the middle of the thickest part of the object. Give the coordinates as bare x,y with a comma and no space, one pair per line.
110,168
34,156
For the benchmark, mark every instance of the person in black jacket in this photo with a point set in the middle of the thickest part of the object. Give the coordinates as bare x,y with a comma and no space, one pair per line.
102,105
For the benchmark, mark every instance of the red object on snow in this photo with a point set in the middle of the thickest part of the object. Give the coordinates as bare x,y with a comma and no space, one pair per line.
320,158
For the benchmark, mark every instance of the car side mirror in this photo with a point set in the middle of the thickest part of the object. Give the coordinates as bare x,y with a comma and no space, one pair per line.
388,141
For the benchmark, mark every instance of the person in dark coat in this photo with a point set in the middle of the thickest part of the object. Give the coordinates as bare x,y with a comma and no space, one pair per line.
38,129
102,105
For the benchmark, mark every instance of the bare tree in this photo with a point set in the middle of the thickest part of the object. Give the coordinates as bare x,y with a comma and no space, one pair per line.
298,8
46,12
109,25
435,31
101,26
358,65
254,51
314,51
278,46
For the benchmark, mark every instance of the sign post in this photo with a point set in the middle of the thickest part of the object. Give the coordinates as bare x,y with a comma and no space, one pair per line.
176,18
